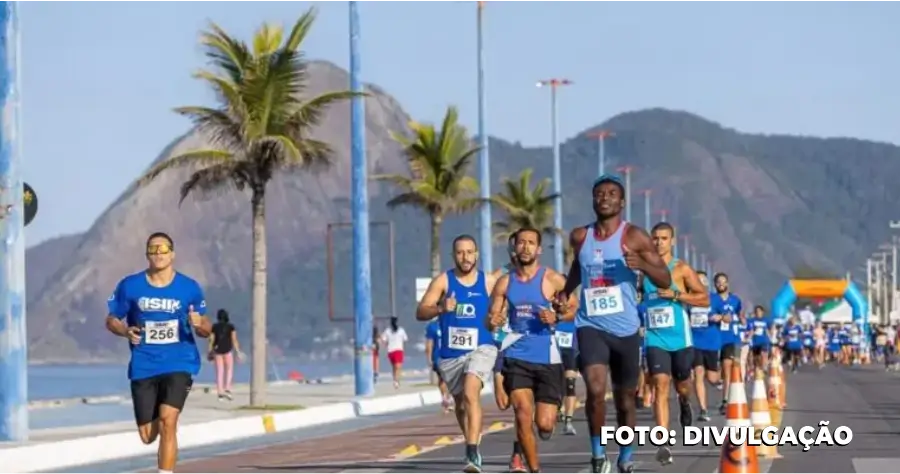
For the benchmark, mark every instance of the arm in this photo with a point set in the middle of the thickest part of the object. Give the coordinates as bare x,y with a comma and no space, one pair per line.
234,340
696,294
490,280
198,304
212,341
117,312
557,284
429,348
429,308
498,300
652,265
573,279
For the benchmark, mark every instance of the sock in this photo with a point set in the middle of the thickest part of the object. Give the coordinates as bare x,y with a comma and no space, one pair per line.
517,448
597,448
471,450
568,419
625,453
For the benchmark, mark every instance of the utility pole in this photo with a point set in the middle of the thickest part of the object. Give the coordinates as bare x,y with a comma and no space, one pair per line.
601,136
484,158
626,171
554,84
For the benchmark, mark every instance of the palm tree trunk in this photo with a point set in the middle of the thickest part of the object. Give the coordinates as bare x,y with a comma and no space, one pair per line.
258,379
436,220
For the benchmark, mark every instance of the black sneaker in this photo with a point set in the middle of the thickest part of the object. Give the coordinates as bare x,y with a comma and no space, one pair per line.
687,413
601,464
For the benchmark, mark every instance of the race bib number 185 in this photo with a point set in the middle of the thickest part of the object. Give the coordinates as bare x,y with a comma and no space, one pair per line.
603,301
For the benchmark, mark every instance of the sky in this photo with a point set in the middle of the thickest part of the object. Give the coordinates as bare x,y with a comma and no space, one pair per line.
99,80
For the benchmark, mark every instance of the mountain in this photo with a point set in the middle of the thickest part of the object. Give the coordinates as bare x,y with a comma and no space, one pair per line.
761,206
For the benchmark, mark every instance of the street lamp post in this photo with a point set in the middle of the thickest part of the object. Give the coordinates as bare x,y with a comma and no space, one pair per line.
554,84
626,171
687,250
13,339
362,277
484,161
647,219
601,135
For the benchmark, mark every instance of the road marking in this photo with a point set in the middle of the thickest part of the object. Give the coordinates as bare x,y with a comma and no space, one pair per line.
875,464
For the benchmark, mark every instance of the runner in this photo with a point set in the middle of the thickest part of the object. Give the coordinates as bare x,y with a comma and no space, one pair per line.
670,348
793,342
607,255
807,343
516,460
432,354
565,339
155,310
707,341
760,344
459,299
532,364
728,307
645,387
821,339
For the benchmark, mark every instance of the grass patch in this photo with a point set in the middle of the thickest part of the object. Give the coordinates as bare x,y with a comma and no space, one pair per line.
423,384
273,408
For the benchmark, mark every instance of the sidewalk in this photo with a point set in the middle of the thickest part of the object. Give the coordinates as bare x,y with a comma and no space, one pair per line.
206,420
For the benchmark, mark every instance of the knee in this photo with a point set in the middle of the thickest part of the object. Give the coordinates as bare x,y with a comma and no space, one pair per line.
168,427
570,386
149,432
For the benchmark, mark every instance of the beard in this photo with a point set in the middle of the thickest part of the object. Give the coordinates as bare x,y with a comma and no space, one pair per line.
525,260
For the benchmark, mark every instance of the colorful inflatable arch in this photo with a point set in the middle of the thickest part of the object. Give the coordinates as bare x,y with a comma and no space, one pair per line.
794,289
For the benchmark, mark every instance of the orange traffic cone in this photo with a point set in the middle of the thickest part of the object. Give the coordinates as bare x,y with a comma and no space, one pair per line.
737,458
759,414
782,389
774,382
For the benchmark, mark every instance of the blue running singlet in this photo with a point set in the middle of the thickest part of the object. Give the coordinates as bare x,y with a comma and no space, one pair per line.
167,344
529,340
704,332
667,323
608,296
463,330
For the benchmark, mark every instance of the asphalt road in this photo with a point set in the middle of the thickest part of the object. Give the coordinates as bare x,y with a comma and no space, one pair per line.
865,399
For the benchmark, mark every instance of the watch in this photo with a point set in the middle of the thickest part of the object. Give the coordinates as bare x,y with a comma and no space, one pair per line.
677,294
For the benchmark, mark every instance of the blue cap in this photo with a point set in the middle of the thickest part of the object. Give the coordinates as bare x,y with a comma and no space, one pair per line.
609,178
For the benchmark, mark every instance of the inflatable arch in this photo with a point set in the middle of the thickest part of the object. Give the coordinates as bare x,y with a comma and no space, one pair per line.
794,289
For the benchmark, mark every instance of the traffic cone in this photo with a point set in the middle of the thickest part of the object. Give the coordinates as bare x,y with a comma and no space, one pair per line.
759,414
737,458
782,389
774,383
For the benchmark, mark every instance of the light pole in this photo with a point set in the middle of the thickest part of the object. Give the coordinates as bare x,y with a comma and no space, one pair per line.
687,251
13,339
663,215
647,221
484,158
601,135
554,84
626,171
362,277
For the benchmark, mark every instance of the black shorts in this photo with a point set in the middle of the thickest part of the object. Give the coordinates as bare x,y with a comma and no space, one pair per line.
730,351
798,353
569,359
149,394
708,359
544,380
621,354
760,350
674,363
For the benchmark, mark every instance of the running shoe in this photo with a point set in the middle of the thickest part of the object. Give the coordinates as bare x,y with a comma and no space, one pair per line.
687,413
664,456
625,466
569,429
704,416
516,464
473,463
601,464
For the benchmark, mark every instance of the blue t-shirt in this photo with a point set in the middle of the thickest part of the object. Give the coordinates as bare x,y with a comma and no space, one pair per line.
793,337
759,331
705,331
167,342
433,334
730,332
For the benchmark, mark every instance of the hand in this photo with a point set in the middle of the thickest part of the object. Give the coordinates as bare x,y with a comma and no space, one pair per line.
548,316
641,331
211,356
666,293
196,319
498,320
134,335
240,356
450,303
716,318
561,303
633,259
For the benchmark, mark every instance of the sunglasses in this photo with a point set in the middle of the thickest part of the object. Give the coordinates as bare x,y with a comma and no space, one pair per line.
160,249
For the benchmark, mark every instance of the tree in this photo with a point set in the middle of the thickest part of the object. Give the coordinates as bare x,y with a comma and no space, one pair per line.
437,183
525,206
261,125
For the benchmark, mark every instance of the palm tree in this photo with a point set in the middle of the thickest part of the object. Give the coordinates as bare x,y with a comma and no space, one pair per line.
437,182
261,125
525,206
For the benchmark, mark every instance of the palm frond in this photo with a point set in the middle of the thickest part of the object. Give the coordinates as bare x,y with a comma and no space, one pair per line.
226,53
213,180
196,158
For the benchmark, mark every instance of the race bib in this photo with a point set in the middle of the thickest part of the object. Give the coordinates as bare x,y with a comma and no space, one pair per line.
603,301
161,332
759,331
660,317
564,339
724,326
463,339
854,339
699,319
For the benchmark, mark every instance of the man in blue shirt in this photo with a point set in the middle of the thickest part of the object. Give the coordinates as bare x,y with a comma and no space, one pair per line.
729,308
707,342
158,310
758,326
793,342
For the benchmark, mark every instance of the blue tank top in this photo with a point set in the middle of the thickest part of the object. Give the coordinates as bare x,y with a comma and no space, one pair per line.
466,328
608,295
529,339
667,323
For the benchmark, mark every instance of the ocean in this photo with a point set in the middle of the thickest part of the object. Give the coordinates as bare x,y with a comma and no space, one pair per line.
61,381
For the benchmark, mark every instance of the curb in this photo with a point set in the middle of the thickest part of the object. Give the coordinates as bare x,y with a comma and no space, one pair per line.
59,455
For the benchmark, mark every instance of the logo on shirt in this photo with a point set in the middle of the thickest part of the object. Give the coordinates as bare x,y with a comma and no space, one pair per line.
465,310
598,255
473,293
162,305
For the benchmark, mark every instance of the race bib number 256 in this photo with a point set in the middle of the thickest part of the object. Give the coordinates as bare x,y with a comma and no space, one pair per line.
161,332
